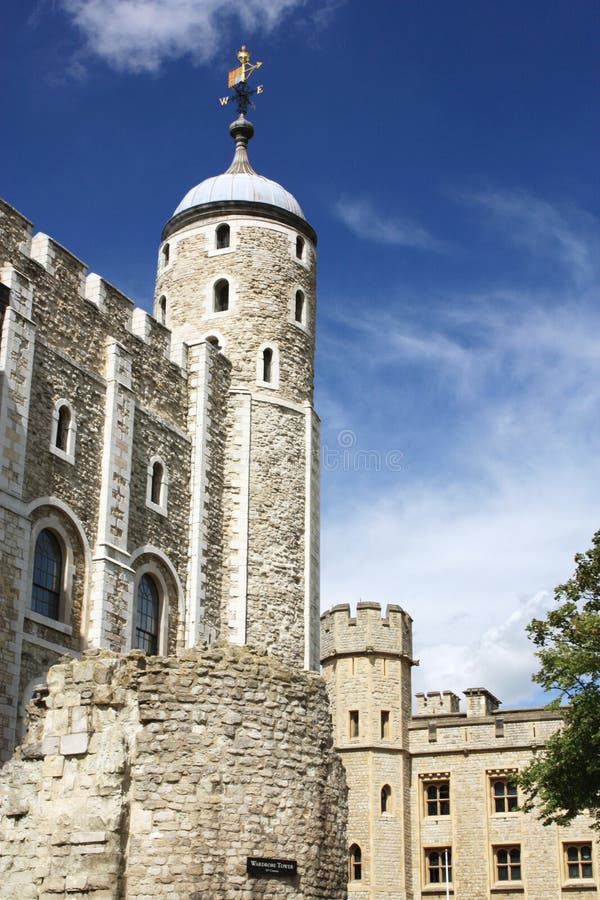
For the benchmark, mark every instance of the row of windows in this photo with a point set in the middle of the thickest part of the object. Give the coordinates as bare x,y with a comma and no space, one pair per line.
506,862
48,581
221,301
222,241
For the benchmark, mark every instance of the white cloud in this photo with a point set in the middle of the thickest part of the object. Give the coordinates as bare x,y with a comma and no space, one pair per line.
360,216
495,400
139,35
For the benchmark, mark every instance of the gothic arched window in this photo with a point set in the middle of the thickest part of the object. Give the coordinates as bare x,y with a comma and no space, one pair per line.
267,364
299,247
221,295
222,236
354,863
47,575
147,619
62,427
299,307
386,799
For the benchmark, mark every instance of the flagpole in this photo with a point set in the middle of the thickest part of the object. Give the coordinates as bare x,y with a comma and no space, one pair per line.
446,867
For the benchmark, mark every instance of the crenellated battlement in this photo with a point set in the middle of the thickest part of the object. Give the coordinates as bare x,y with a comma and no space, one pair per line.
368,631
77,289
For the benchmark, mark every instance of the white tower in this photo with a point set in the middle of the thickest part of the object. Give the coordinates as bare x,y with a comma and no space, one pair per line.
236,286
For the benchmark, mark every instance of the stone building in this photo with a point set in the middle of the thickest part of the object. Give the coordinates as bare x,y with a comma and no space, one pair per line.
159,492
433,804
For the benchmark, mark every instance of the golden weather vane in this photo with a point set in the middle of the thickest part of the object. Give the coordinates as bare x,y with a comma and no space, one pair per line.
237,79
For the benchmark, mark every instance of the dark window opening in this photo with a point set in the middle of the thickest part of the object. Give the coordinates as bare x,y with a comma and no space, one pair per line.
4,302
385,724
222,237
299,247
506,797
437,798
162,309
146,631
166,251
157,480
47,575
299,307
439,866
214,340
386,798
508,863
355,863
62,427
354,723
267,364
221,295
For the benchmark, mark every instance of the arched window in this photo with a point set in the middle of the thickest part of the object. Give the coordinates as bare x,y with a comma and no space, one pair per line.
354,863
267,364
162,309
156,484
147,619
299,307
222,235
47,575
386,798
166,252
299,247
62,427
221,295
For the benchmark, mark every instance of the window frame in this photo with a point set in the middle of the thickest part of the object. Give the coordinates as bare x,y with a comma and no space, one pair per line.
355,863
385,800
273,383
509,865
385,725
427,869
578,879
162,506
63,623
510,800
220,227
353,724
152,570
436,783
68,452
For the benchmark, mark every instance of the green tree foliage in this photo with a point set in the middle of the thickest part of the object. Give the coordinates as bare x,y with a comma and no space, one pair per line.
564,780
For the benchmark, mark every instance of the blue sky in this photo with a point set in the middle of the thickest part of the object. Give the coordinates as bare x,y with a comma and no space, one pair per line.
447,155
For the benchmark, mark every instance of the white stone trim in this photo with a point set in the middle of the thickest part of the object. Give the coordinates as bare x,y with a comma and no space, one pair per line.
273,384
53,524
48,645
161,506
48,623
69,454
303,323
211,235
16,367
198,429
237,605
214,333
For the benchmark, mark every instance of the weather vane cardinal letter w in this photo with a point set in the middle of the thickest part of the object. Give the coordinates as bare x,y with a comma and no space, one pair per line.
238,80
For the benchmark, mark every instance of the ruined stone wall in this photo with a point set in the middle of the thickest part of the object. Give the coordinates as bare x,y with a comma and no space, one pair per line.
157,777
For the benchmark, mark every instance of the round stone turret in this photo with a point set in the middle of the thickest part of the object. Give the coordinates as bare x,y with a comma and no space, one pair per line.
236,284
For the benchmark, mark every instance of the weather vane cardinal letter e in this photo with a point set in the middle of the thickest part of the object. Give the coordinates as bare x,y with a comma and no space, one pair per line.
238,80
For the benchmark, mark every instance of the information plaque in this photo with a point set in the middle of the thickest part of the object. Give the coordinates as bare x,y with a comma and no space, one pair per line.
274,868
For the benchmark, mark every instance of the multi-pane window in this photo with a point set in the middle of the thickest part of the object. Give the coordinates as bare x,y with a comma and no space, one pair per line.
578,860
353,723
508,863
47,575
438,866
504,795
354,863
147,616
437,798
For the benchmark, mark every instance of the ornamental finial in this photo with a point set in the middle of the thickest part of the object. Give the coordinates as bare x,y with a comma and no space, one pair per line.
237,79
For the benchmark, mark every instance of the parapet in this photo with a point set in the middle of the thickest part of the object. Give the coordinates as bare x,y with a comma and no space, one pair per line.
367,632
437,703
480,702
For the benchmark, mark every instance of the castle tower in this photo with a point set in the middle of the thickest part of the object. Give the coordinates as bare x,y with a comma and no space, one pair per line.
367,663
236,287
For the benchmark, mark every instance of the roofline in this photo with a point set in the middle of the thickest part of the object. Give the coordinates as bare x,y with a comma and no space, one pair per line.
241,207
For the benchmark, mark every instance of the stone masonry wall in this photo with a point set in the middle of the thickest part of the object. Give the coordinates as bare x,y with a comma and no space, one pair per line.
144,777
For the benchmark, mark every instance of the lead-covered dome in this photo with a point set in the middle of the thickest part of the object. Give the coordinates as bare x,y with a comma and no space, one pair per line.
240,181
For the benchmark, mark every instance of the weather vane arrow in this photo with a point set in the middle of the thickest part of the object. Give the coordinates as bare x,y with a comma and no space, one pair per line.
238,80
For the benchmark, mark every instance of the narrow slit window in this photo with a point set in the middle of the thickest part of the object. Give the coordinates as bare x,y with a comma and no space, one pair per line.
385,724
267,364
166,252
355,863
162,310
299,247
223,237
386,799
157,483
221,295
354,723
299,307
62,427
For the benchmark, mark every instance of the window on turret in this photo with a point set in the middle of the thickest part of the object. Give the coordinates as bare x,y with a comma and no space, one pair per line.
162,309
386,799
267,364
354,723
354,863
299,307
221,295
213,340
166,251
222,235
299,247
385,724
